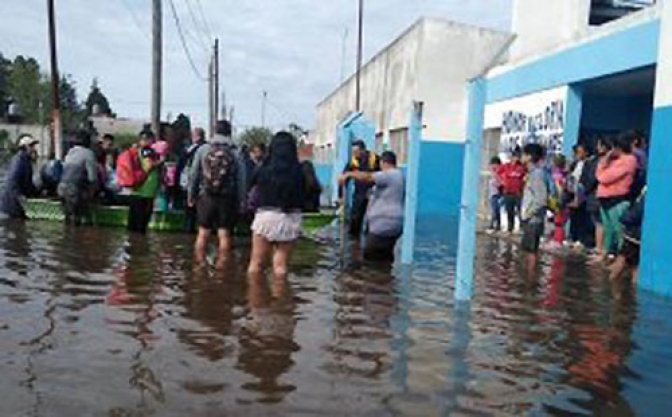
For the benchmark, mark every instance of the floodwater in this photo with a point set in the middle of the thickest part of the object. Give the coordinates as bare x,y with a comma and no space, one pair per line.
95,323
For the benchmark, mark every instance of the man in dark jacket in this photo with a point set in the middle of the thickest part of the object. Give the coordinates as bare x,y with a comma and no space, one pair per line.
19,180
362,161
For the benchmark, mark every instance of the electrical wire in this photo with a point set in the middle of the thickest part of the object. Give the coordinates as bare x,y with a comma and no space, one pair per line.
184,42
136,19
199,28
205,21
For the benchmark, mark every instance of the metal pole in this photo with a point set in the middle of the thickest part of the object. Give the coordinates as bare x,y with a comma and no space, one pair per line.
56,132
360,40
216,78
157,46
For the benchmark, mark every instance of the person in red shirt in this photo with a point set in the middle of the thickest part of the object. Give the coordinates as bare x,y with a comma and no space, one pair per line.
512,176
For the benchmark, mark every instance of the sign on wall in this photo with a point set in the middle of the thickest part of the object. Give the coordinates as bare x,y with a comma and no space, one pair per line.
536,118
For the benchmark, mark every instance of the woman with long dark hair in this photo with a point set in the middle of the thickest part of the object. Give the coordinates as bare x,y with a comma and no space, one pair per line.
277,223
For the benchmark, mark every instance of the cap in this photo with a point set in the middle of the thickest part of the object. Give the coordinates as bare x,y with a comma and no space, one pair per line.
27,140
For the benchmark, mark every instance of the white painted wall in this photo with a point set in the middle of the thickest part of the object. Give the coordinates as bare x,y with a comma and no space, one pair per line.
663,95
543,24
431,62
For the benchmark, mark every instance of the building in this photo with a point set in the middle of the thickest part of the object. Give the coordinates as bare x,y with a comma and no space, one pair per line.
570,70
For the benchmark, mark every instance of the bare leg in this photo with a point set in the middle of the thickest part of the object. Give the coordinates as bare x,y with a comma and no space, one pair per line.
617,269
201,247
281,255
261,249
225,246
599,239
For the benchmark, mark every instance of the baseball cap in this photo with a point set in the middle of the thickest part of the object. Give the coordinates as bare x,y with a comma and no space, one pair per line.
27,140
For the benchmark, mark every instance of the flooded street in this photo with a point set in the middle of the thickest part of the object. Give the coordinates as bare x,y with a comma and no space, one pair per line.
92,324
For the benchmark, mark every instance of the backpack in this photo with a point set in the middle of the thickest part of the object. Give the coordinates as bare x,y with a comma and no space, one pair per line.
129,169
554,197
219,171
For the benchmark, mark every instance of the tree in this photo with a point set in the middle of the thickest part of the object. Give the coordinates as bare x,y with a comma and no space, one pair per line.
255,136
4,86
182,130
24,85
97,99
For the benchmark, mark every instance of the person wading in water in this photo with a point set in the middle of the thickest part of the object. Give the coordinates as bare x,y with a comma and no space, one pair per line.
365,162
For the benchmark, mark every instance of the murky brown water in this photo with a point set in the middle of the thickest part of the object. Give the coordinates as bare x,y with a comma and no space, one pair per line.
94,324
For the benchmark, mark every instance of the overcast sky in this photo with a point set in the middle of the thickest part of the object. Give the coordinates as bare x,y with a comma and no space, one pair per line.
291,48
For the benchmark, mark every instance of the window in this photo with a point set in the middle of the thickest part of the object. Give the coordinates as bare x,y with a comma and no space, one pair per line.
604,11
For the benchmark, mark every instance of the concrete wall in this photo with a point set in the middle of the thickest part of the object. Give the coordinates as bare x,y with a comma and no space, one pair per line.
540,25
39,132
617,113
451,54
431,62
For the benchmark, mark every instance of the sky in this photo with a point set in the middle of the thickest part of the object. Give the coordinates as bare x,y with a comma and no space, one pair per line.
293,49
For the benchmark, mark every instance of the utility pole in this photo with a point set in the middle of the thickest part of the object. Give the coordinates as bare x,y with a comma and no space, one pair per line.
211,99
360,40
216,68
56,131
157,46
263,109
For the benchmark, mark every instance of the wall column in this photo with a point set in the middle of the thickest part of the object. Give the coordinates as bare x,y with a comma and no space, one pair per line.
412,184
466,251
656,263
573,110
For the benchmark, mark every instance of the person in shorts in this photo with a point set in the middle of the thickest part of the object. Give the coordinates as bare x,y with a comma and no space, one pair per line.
535,201
216,189
280,185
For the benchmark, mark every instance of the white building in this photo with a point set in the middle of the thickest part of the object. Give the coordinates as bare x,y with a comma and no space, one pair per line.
431,63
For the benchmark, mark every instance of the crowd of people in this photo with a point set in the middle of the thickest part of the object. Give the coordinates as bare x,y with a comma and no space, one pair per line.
217,184
593,204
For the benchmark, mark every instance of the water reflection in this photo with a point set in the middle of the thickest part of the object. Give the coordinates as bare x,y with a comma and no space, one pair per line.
94,322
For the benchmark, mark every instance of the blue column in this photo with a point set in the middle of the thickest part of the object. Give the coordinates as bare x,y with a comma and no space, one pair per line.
656,250
412,184
466,251
573,109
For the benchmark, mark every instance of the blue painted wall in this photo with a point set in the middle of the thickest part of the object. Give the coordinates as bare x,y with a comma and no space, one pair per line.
440,178
656,264
631,48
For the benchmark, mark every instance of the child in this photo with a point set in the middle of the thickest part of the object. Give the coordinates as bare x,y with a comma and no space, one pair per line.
535,201
560,212
495,194
628,256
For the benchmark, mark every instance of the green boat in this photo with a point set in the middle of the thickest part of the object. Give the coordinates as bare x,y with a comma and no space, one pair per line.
168,221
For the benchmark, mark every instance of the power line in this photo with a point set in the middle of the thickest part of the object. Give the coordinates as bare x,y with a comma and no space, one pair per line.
135,18
205,21
199,28
184,42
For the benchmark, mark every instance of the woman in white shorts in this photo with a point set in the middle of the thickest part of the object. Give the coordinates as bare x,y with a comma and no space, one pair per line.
277,224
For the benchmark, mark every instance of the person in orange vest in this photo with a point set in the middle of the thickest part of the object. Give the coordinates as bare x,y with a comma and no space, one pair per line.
362,161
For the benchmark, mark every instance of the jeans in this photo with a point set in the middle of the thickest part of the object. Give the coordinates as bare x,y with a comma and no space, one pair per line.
496,212
512,205
581,227
357,215
613,229
140,213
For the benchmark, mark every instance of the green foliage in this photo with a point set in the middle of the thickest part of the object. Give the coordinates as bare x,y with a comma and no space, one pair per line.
97,98
4,87
256,135
124,140
27,87
182,131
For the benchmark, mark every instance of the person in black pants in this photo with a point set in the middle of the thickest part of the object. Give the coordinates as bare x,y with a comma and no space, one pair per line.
362,161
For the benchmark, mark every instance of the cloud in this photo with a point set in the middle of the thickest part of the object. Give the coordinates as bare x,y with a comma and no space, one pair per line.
290,48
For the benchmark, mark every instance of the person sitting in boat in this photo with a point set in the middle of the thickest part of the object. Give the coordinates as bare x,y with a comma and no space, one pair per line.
19,180
79,181
107,156
313,188
385,215
217,189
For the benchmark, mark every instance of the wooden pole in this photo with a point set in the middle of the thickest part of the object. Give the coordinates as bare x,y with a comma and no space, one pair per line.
216,69
157,57
56,128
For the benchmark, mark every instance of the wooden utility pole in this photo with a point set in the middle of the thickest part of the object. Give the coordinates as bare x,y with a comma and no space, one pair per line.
211,99
360,39
56,145
157,53
216,68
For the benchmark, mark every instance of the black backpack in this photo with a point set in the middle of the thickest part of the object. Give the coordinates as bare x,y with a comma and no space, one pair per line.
219,170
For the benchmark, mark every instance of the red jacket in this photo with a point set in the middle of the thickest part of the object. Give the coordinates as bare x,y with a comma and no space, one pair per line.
512,176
